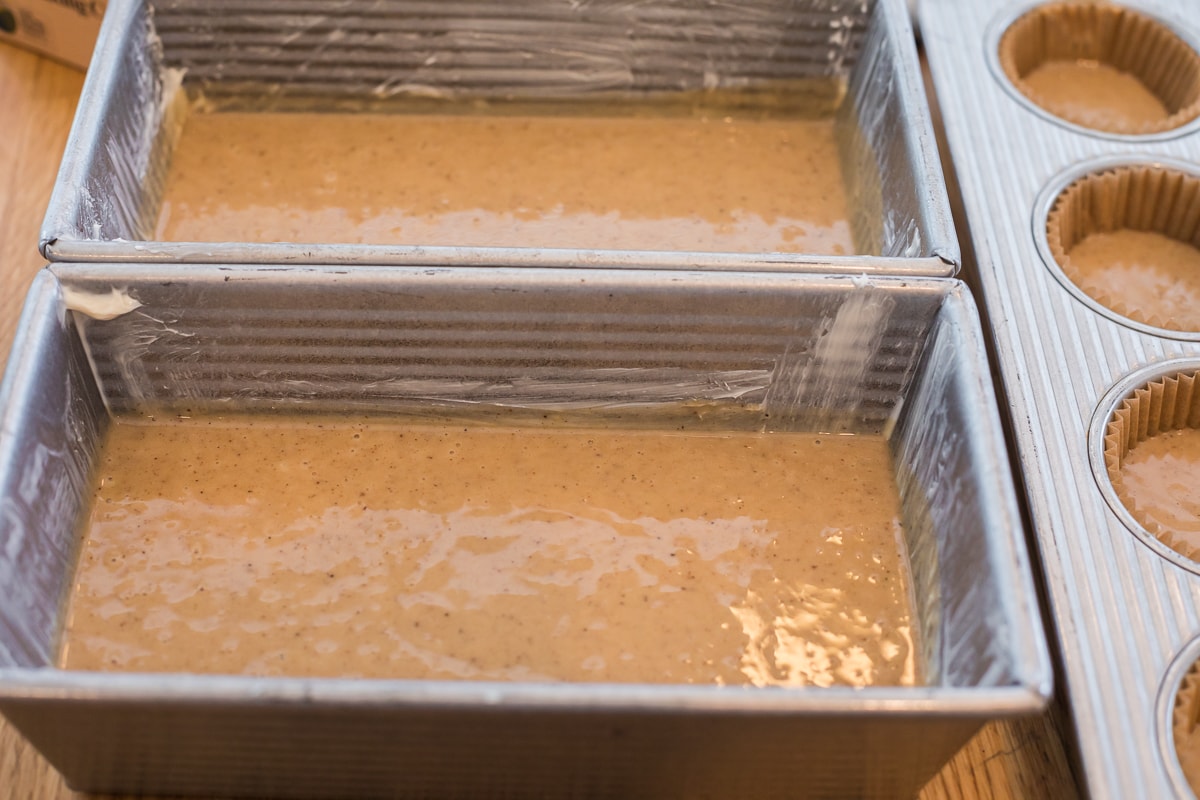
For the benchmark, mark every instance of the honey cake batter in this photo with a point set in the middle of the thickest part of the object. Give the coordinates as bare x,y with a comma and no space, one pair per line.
641,183
452,552
1187,747
1095,95
1161,478
1154,277
1184,728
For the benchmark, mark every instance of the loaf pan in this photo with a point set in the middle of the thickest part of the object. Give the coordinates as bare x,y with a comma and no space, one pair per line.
400,55
903,358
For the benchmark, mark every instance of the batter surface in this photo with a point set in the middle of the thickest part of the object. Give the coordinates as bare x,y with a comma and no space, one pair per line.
1095,95
670,183
1161,478
1187,747
429,551
1154,277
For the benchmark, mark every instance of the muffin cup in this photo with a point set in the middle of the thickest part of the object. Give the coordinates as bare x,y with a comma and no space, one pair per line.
1118,37
1184,717
1168,403
1141,197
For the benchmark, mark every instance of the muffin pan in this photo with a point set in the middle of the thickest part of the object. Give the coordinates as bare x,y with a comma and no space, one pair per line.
902,357
1124,603
155,57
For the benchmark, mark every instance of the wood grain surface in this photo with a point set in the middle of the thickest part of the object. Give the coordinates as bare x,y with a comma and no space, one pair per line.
1018,759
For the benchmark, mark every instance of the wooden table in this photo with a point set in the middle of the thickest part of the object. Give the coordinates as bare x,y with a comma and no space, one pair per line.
1020,759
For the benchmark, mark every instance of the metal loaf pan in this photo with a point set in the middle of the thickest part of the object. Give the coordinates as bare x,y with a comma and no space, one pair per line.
391,55
1124,607
903,357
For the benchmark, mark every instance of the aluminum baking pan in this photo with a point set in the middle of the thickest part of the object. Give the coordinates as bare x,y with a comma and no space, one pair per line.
903,357
1123,610
393,54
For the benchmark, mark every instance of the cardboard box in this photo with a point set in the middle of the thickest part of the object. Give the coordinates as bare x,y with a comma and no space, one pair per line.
62,29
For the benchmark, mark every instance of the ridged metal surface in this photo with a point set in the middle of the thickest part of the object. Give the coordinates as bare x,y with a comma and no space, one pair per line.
542,343
398,46
904,355
1123,610
398,55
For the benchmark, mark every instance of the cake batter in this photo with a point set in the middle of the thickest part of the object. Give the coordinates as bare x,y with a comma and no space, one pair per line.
1161,479
332,548
641,183
1155,279
1095,95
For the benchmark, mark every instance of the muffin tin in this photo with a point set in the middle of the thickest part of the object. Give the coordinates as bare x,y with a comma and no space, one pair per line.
902,357
400,55
1124,604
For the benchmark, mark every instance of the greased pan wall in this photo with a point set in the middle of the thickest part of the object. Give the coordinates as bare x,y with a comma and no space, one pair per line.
1124,606
400,55
902,357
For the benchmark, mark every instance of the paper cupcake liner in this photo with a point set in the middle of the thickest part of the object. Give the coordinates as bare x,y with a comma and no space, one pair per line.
1137,198
1167,404
1110,34
1184,718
